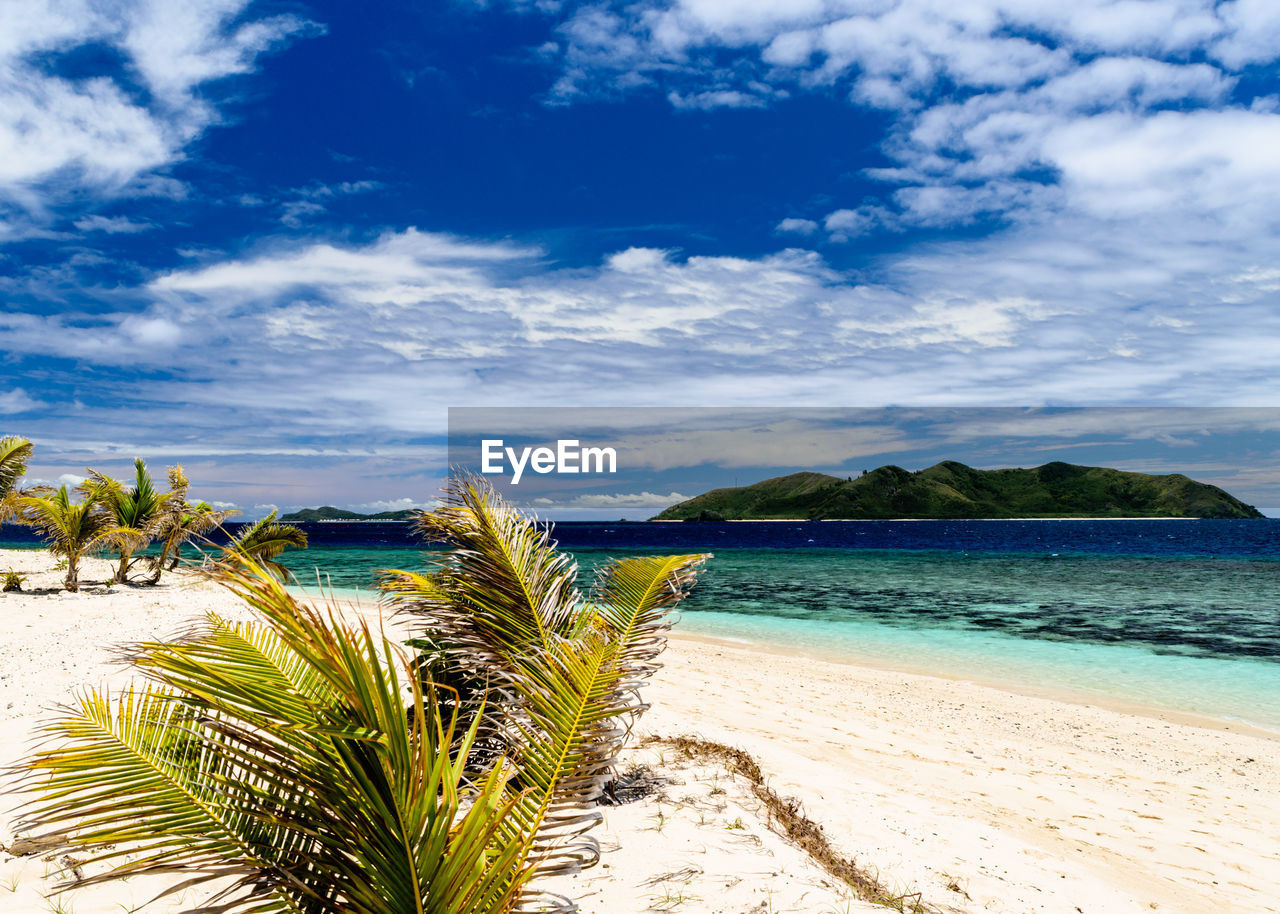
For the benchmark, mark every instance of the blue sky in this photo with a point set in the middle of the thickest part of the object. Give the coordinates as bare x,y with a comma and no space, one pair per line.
275,241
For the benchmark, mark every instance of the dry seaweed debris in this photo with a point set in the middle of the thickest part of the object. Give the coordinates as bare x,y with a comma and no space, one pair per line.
787,817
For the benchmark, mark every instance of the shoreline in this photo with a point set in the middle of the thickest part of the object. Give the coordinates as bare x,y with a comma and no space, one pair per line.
871,663
1028,680
899,520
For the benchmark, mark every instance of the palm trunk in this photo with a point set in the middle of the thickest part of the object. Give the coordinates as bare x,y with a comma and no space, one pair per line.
122,573
157,564
72,583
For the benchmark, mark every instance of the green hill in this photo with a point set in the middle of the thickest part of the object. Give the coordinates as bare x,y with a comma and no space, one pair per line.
328,512
953,490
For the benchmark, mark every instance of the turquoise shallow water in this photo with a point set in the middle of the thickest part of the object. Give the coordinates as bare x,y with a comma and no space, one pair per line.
1185,633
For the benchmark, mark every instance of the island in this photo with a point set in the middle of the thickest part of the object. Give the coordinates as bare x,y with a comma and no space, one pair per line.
953,490
329,514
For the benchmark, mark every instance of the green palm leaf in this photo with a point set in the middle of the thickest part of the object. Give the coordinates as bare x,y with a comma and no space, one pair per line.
634,598
138,512
503,567
14,454
502,605
70,529
310,760
264,540
296,753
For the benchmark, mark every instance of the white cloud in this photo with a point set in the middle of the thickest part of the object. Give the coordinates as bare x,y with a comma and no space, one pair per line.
715,98
797,226
295,212
94,133
112,225
1044,316
396,504
846,224
1005,110
892,52
648,500
17,400
151,331
71,480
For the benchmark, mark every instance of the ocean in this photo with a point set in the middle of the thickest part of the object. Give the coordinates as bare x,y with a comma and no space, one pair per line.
1181,615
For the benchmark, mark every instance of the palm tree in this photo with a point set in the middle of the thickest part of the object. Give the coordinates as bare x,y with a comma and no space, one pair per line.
137,510
296,754
182,522
263,541
502,607
14,454
320,764
71,529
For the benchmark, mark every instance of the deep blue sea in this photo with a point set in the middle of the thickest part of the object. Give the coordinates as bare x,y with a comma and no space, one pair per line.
1182,614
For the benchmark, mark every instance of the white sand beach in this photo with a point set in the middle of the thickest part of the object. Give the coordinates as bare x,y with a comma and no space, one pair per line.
979,799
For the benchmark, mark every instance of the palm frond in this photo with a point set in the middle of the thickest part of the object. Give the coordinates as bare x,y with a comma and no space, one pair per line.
139,511
502,567
502,605
263,541
14,454
182,523
149,746
297,754
178,482
634,598
323,769
69,529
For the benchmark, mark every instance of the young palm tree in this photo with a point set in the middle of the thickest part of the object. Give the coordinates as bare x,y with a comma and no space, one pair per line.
71,529
295,754
14,454
502,607
182,522
137,511
312,760
263,541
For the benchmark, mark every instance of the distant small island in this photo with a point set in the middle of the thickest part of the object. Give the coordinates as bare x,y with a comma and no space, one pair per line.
953,490
330,513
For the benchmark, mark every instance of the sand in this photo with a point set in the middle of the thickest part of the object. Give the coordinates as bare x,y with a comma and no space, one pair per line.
978,798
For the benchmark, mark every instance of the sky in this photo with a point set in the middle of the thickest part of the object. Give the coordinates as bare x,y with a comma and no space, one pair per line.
277,241
665,455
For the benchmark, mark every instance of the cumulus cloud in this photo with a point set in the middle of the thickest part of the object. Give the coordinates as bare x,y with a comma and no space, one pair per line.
17,400
71,480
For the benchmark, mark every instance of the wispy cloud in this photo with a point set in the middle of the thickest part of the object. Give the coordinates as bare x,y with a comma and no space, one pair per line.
1078,122
112,132
112,225
648,500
